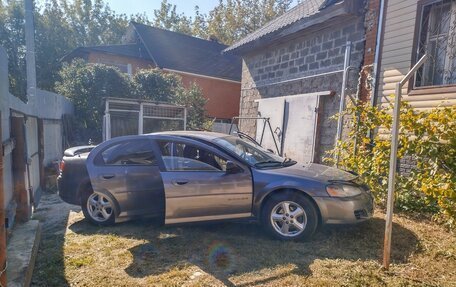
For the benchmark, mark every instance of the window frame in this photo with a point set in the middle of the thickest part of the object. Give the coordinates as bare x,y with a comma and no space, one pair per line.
198,145
431,89
99,161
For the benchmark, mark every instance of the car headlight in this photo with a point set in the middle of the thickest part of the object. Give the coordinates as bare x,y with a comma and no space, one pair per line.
343,190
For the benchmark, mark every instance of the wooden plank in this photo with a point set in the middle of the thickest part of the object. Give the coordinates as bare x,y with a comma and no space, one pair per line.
402,58
21,195
395,7
405,46
41,154
428,104
398,36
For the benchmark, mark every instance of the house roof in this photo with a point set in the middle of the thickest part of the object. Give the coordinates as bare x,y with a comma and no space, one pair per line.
180,52
307,9
128,50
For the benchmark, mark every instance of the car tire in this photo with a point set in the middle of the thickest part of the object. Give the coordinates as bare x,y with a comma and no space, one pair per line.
98,208
290,216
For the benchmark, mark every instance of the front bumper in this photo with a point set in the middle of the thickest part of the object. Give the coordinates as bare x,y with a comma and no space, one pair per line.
340,210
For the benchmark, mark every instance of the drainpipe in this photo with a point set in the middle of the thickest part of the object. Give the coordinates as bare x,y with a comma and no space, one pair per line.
340,120
376,68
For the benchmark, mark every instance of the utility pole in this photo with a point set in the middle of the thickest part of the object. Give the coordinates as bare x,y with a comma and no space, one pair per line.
2,220
30,52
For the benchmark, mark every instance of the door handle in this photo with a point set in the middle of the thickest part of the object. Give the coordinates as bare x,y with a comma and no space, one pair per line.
180,182
108,176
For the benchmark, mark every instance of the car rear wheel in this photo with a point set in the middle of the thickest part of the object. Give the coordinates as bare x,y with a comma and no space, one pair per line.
290,216
98,208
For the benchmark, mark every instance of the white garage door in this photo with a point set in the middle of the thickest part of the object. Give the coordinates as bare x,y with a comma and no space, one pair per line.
294,122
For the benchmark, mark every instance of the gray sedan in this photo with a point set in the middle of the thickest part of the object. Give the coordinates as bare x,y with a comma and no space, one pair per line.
203,176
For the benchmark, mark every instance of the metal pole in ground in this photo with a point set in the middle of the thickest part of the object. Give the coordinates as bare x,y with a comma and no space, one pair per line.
2,220
393,162
340,120
30,52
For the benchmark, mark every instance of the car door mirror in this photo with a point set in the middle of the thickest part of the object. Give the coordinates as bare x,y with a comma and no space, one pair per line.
232,168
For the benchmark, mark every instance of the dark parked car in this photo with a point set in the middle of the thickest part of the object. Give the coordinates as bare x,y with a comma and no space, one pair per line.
202,176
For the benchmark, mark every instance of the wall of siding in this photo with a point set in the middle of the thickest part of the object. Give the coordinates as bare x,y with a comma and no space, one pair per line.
397,56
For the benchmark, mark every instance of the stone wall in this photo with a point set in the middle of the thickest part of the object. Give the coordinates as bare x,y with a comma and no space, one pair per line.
292,67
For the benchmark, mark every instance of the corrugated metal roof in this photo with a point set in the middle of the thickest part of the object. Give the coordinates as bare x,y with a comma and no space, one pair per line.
301,11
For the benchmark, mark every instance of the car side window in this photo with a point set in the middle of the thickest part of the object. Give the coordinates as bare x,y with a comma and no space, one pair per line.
135,152
187,157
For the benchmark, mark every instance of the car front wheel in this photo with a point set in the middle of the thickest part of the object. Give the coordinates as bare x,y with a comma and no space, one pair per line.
98,208
290,216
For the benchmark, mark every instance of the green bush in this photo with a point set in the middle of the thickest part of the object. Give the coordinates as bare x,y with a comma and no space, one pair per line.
428,138
86,86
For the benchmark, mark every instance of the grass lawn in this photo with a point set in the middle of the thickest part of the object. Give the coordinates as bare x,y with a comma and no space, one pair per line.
142,253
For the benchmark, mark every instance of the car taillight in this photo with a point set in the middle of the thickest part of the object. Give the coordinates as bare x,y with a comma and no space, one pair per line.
61,166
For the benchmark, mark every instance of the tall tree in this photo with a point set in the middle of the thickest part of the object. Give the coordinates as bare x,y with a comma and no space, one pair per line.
12,38
167,18
231,20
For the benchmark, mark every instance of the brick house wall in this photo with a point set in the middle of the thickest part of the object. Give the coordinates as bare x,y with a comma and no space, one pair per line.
308,53
222,95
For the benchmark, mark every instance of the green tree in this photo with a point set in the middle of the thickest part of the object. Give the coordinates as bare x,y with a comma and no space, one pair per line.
12,38
231,20
193,99
154,85
60,26
167,18
86,86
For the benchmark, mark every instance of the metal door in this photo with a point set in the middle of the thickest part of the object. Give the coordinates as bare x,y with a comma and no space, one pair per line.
128,170
197,192
294,122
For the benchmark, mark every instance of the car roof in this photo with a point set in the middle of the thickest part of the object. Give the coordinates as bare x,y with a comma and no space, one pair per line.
203,135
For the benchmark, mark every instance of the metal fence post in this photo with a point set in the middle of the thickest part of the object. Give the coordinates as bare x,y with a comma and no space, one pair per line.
2,219
393,162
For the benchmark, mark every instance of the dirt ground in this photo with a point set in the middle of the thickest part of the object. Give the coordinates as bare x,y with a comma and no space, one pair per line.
143,253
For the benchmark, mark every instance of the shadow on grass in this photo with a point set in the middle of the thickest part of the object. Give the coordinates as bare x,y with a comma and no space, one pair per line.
234,248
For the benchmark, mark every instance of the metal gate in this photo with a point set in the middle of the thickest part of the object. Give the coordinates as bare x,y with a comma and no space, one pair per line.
132,117
294,121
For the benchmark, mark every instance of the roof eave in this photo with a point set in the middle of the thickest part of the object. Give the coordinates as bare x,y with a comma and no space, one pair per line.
145,45
345,8
76,53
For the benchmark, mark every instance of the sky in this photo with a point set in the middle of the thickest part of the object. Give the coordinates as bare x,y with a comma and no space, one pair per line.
148,6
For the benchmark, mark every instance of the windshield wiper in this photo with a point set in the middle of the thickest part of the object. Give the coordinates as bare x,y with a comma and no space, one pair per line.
274,162
288,161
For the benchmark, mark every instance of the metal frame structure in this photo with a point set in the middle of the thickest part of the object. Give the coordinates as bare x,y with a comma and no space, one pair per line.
145,110
265,121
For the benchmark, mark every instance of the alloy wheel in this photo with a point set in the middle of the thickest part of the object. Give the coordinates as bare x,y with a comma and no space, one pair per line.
288,218
99,207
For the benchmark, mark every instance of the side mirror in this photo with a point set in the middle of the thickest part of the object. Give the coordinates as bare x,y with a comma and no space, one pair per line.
231,168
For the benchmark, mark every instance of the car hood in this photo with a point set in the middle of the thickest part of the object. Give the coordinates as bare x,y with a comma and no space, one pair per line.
314,171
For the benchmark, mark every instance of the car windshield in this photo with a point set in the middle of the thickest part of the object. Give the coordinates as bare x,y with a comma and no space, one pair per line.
252,153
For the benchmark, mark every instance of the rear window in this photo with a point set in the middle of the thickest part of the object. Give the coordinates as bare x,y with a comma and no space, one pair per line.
137,152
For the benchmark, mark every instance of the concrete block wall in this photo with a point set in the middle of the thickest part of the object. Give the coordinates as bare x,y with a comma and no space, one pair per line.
48,106
265,71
